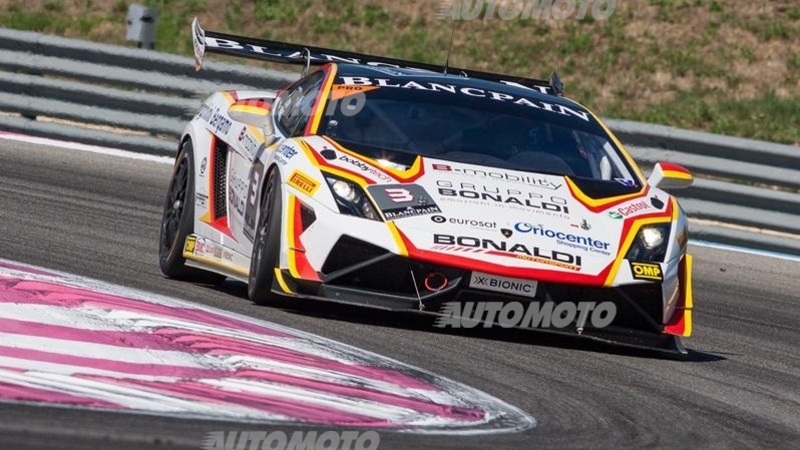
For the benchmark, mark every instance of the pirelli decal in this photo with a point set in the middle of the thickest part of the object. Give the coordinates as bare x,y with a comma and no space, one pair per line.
646,271
303,182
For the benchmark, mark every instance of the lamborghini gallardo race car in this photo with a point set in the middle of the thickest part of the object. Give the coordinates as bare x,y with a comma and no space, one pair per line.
407,186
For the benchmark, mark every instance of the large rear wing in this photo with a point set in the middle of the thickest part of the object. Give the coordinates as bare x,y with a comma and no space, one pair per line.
286,53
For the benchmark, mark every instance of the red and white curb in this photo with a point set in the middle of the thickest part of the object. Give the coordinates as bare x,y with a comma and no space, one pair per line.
71,341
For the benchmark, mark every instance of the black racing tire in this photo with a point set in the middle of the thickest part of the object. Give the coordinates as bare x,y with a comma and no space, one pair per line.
177,222
267,243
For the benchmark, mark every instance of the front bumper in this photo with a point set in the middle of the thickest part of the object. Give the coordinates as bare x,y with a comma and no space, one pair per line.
360,273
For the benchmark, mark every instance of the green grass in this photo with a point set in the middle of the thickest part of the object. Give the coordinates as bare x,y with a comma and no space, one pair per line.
728,66
766,117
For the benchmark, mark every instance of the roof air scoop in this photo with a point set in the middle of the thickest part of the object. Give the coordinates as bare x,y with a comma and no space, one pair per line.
556,84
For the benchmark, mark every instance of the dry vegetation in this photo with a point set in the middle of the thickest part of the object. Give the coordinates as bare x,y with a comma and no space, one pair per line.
730,66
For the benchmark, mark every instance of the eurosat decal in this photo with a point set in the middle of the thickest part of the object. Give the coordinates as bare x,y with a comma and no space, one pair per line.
467,90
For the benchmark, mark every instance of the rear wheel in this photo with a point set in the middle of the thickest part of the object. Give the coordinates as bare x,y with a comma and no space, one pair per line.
177,222
267,243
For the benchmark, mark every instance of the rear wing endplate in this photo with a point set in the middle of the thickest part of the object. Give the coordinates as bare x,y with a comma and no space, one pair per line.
287,53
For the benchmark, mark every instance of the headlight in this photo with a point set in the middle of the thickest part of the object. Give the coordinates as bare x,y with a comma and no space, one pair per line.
650,244
351,199
651,237
344,190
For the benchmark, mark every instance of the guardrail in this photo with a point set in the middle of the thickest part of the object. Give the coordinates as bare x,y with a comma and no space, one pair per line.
746,192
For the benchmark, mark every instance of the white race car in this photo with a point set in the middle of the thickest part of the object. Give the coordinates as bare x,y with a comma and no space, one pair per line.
390,184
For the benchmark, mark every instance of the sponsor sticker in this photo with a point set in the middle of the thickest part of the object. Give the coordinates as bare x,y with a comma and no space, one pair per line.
646,271
474,194
249,142
630,209
532,253
190,243
200,247
540,105
398,201
201,200
583,242
473,223
284,153
364,167
217,121
495,283
303,182
498,175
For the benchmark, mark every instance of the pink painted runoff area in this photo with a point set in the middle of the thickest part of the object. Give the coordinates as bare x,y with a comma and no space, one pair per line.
87,347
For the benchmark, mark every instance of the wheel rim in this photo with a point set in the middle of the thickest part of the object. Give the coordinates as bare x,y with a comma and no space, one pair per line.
174,207
261,236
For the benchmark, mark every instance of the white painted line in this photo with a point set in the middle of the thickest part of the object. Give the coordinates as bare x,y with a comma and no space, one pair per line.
745,250
86,148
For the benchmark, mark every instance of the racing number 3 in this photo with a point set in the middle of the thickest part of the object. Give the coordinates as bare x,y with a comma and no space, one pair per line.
254,187
399,195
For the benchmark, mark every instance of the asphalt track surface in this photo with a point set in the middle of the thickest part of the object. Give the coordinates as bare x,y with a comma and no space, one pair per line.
98,216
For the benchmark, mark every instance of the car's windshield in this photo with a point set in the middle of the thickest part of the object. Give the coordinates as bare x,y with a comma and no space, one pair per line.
528,135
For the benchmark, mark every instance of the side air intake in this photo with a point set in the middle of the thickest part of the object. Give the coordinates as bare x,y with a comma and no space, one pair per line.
220,179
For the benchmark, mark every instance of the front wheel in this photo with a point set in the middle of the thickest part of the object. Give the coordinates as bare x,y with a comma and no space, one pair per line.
177,222
264,258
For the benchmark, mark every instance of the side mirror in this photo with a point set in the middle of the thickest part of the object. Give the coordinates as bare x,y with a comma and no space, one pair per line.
254,112
670,176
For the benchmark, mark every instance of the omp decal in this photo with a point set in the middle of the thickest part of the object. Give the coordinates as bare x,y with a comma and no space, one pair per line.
74,342
303,182
299,266
680,323
646,271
